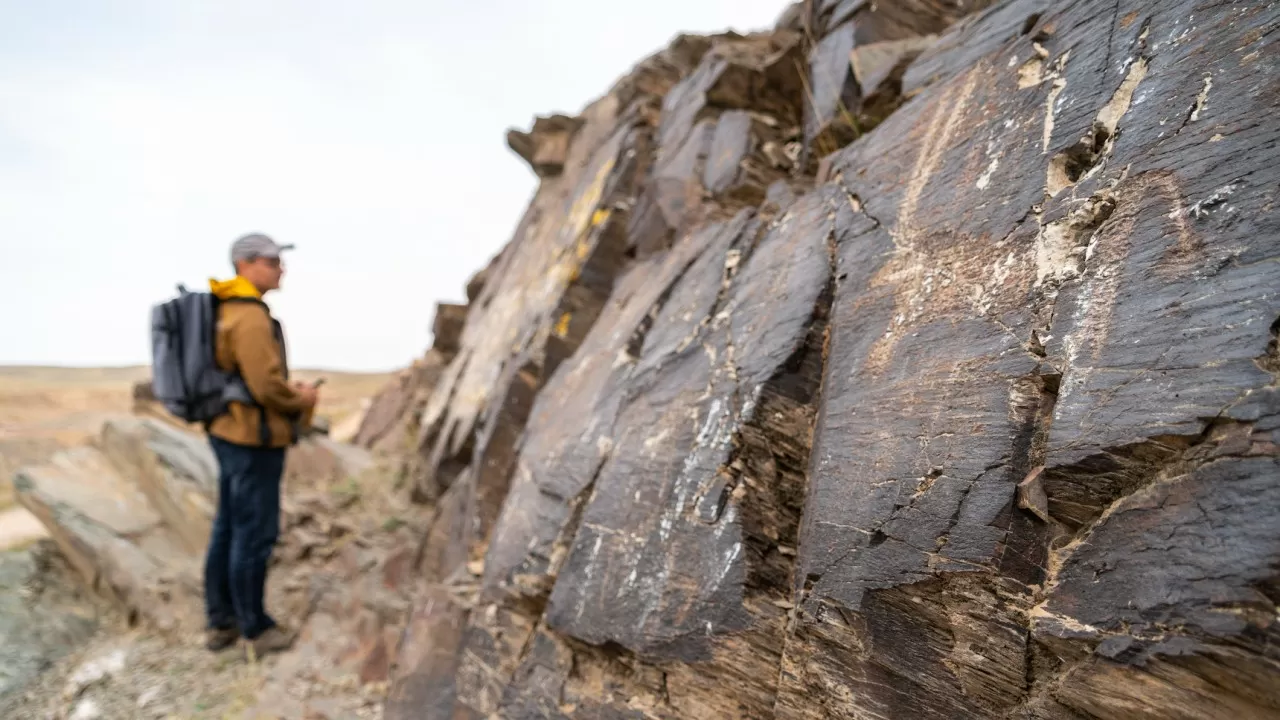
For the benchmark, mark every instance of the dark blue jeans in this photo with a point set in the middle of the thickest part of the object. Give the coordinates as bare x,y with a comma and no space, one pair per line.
245,529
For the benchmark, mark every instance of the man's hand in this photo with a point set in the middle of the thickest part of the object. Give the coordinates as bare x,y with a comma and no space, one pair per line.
310,393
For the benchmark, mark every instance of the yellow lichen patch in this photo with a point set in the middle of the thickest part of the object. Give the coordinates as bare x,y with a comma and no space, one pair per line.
584,207
600,217
562,325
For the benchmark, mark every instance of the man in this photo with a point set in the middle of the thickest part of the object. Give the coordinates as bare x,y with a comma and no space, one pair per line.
249,441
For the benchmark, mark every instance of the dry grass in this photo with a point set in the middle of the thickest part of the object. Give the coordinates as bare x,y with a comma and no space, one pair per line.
43,409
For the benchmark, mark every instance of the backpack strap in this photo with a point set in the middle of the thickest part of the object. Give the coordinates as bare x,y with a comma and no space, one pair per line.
264,427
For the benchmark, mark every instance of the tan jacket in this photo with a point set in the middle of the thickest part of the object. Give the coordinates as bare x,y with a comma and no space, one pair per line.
251,341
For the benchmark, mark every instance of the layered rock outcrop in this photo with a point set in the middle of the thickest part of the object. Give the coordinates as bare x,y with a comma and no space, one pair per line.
131,512
914,359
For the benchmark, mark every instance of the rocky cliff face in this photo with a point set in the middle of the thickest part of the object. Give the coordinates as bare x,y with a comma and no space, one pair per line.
915,359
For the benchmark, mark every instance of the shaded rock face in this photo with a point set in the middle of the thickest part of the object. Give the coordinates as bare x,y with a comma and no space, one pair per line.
976,418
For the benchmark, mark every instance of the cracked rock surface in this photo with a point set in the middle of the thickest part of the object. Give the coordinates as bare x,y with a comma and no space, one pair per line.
911,360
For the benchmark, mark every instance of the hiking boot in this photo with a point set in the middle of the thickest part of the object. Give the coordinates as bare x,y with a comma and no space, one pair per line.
218,639
273,639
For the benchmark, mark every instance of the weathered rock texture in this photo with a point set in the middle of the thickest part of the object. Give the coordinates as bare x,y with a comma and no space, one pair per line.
131,511
977,417
44,615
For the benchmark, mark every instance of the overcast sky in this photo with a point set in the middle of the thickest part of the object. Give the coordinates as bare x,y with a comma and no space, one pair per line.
138,139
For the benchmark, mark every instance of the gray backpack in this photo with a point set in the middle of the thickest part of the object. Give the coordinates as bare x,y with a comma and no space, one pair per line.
185,376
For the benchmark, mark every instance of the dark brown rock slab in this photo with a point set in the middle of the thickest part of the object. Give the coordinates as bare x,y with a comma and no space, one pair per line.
654,77
471,505
856,67
833,90
730,145
562,681
748,154
923,361
881,21
676,183
678,553
976,367
1173,590
1166,324
543,295
480,489
558,459
899,502
858,62
1041,299
493,645
757,73
1187,553
878,68
974,37
424,685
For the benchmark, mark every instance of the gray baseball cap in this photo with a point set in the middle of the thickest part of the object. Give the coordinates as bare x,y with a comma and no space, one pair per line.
256,245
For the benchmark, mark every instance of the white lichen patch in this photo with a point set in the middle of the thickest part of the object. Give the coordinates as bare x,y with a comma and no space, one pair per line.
1201,208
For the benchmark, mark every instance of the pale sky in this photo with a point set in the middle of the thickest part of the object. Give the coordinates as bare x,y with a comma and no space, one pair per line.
139,138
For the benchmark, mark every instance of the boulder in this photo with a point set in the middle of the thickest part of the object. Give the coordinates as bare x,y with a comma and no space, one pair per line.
446,331
546,146
101,515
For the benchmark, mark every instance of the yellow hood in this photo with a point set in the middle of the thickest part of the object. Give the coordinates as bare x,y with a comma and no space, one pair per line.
235,287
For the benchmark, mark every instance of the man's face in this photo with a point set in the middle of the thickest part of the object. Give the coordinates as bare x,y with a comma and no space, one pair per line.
263,272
